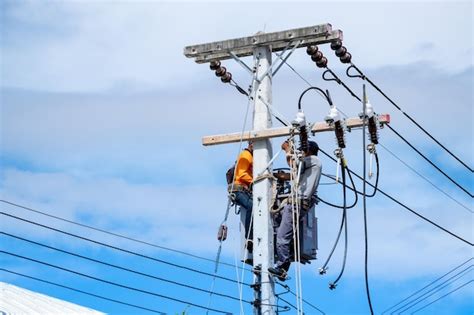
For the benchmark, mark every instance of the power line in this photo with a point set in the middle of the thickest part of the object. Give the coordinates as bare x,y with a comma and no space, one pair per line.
441,297
429,161
121,249
112,283
308,303
339,81
406,207
426,179
120,267
83,292
429,284
427,294
364,77
112,233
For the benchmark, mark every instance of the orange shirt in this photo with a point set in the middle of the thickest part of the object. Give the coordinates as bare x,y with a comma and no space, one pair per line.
244,169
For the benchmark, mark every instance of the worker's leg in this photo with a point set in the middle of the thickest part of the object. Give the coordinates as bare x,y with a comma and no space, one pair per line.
284,238
244,200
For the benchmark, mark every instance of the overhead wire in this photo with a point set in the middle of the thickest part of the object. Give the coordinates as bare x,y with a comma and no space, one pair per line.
113,283
117,266
356,193
430,162
443,296
434,290
425,179
339,81
428,285
83,292
333,284
364,77
118,248
112,233
406,207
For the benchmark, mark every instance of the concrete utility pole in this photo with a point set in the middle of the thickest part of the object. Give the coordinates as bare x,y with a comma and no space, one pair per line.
261,47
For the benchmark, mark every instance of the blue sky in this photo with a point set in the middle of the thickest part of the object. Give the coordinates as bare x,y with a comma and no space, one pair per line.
102,118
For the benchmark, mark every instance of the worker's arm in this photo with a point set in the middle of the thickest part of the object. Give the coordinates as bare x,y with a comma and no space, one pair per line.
285,146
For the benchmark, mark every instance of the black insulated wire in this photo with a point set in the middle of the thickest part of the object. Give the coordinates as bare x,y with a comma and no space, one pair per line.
405,206
118,267
83,292
432,164
338,81
429,284
342,226
393,130
434,290
333,284
362,76
112,283
356,197
112,234
375,186
121,249
328,99
443,296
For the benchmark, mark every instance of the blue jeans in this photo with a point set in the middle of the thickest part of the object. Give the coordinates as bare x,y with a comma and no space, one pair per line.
244,200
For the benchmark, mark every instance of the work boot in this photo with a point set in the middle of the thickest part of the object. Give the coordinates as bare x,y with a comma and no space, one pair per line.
278,272
250,246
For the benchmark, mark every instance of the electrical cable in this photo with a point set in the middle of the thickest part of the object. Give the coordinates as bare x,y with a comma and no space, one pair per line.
397,133
429,284
425,179
356,197
364,77
313,306
328,99
112,233
117,267
429,161
434,290
353,187
333,284
366,237
323,269
83,292
118,248
112,283
441,297
405,206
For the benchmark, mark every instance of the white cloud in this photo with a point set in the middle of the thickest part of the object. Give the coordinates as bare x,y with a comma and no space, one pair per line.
96,46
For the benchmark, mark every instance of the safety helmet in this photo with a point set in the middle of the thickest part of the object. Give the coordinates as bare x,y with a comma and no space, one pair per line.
313,147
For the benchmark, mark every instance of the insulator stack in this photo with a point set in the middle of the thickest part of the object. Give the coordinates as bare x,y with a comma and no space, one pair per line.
221,71
373,130
341,51
317,56
339,134
304,138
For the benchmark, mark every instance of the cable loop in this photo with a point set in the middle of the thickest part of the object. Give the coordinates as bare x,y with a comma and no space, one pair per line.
360,75
334,78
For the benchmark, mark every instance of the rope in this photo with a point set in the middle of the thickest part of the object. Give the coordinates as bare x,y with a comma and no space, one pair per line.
229,200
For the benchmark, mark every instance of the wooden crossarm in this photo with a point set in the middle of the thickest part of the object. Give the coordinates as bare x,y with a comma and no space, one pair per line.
282,131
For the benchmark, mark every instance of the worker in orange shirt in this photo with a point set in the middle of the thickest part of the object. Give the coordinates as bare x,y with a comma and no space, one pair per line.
242,189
